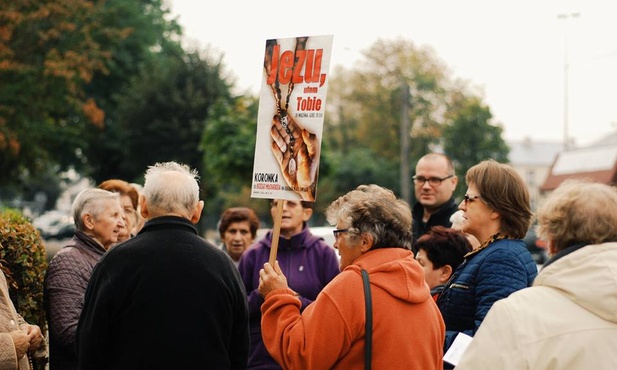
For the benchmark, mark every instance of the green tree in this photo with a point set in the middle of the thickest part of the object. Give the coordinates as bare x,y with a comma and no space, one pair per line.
148,58
228,145
228,142
160,117
66,69
48,53
471,136
365,105
368,97
341,172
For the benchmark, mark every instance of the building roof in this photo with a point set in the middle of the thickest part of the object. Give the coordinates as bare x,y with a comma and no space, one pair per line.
597,163
531,153
610,139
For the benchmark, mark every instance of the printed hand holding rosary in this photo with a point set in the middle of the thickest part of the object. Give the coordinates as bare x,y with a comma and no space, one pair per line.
276,91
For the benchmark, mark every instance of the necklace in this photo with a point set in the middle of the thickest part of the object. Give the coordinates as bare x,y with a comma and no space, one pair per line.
276,91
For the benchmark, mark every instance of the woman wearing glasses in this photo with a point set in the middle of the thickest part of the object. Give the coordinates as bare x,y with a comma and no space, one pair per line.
496,210
373,233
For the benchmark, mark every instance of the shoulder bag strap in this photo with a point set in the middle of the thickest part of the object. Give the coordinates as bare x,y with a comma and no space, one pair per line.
368,330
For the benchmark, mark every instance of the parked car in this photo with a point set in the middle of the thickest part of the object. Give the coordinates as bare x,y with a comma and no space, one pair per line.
55,225
536,246
65,231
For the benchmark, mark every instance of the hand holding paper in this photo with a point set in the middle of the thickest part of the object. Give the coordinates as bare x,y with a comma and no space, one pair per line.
458,347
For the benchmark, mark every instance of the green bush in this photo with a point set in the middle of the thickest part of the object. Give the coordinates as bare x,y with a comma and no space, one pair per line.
23,261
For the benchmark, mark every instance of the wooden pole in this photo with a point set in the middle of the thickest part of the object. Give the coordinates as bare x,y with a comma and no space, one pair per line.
276,230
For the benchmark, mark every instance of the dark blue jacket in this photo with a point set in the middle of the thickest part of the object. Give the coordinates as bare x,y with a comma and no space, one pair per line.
485,277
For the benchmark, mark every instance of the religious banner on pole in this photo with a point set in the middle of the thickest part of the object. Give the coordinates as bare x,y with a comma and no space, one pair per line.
292,103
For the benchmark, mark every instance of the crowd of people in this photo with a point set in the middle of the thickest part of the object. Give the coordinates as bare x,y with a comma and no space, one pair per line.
137,287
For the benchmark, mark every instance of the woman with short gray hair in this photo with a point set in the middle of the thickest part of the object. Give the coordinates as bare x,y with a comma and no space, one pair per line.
98,218
373,236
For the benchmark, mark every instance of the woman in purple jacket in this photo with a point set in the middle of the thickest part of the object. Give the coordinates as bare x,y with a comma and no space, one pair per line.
306,260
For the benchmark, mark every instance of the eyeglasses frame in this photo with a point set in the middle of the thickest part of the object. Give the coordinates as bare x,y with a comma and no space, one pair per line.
428,179
337,233
471,198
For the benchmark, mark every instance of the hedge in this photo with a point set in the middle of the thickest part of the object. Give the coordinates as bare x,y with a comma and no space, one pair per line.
23,260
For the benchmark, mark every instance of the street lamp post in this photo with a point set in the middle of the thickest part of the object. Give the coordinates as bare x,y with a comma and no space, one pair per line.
404,135
566,73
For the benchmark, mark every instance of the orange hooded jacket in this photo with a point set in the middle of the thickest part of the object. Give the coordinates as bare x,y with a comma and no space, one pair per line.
408,331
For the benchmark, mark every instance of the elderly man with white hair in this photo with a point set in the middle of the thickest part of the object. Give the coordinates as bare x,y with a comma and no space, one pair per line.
166,298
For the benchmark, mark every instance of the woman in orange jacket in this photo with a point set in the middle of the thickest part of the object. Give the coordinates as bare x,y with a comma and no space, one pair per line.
373,234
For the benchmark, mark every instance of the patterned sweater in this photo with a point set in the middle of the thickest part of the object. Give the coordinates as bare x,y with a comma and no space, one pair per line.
9,320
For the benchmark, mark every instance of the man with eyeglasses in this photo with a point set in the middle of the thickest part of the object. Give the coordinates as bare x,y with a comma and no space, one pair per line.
434,184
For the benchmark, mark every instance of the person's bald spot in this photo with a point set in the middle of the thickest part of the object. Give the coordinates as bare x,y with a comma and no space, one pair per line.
437,161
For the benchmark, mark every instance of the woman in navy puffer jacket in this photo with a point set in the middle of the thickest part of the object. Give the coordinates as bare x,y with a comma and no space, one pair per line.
497,212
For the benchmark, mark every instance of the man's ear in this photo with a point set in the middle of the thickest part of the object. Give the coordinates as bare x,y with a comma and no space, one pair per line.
197,212
143,207
454,182
306,214
446,272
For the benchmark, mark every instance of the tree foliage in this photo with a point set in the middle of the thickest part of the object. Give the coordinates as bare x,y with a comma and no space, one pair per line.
367,99
365,106
228,146
161,117
101,86
470,136
228,142
105,87
365,111
48,53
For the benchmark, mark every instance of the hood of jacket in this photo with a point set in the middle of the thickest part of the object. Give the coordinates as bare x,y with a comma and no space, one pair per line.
396,271
588,277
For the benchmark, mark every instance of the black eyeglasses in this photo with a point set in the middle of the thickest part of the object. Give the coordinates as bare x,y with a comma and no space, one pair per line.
433,181
337,233
470,198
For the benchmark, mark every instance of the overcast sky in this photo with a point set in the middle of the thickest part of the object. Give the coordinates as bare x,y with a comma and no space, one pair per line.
513,51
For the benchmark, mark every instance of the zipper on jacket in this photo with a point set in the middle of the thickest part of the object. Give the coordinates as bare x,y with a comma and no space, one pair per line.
461,286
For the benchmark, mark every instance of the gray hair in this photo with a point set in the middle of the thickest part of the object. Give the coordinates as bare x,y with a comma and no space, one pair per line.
375,210
171,187
90,201
579,211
